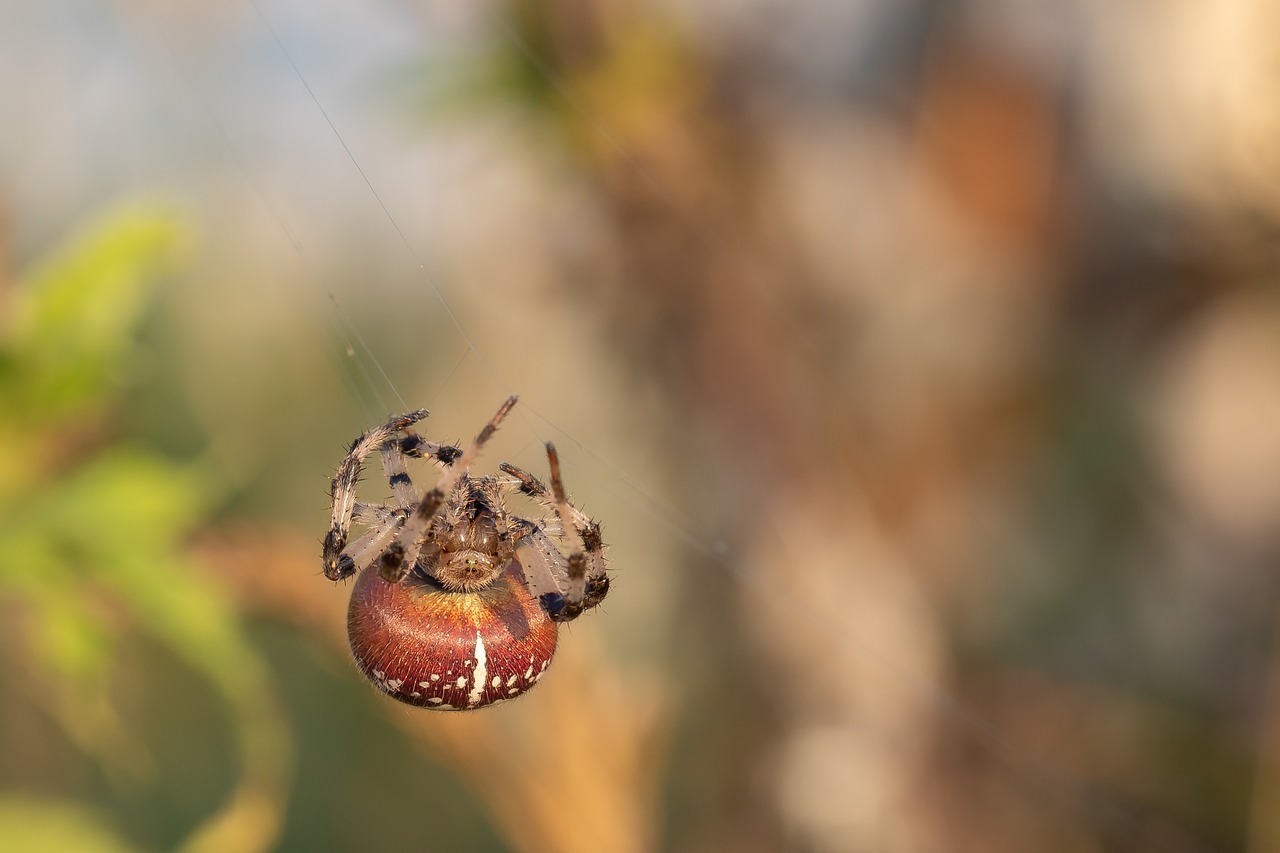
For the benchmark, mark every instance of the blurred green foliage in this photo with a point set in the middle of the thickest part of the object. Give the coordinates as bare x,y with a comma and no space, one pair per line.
92,533
33,825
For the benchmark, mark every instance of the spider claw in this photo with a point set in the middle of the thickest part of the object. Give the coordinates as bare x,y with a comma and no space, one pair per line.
597,589
492,427
410,418
340,568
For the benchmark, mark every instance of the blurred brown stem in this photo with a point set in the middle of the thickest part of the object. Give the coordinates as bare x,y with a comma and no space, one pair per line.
1264,829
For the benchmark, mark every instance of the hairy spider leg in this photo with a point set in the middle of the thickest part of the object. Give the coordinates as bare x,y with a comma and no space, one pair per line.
343,492
576,591
545,568
490,490
403,553
397,476
586,582
373,515
374,543
418,447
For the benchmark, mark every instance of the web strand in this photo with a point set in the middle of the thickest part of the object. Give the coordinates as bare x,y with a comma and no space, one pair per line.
422,267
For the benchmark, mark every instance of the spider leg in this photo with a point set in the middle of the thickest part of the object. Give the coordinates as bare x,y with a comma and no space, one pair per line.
343,491
418,447
576,591
515,541
372,515
355,556
383,522
403,552
491,491
397,476
368,547
584,571
545,568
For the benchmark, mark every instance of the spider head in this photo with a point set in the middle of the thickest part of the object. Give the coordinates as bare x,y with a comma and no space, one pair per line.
466,570
468,559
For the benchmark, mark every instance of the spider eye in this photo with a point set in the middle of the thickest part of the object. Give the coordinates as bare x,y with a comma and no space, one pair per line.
553,603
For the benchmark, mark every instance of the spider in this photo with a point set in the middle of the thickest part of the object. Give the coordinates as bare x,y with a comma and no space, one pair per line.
457,602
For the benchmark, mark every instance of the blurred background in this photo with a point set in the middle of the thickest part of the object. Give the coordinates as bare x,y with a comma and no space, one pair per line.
921,361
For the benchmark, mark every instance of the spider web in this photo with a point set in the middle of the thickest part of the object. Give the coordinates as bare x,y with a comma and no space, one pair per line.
361,357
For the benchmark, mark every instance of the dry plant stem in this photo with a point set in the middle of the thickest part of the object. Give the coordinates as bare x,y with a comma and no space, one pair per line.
527,765
741,362
588,737
1264,828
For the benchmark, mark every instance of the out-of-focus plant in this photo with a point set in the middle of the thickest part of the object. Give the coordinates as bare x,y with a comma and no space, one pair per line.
92,536
33,825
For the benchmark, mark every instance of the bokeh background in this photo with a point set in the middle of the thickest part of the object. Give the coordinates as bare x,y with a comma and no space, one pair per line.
920,359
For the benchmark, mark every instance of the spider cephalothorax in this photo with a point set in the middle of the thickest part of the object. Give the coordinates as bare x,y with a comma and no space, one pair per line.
457,600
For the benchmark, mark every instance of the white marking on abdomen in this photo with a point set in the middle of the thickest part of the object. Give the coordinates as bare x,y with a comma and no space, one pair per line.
481,673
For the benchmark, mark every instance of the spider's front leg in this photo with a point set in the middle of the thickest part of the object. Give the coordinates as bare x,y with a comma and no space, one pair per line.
402,554
337,564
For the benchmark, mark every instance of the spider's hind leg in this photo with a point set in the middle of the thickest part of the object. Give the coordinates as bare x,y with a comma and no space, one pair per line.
582,578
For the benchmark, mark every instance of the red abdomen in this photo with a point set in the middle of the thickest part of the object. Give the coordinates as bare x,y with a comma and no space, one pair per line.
451,651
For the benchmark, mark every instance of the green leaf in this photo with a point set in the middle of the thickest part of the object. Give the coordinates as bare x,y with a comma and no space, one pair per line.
55,826
74,316
91,533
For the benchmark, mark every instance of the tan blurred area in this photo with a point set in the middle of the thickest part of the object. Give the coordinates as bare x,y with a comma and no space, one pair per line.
920,360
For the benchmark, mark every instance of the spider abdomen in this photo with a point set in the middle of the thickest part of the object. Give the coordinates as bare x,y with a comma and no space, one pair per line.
434,648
